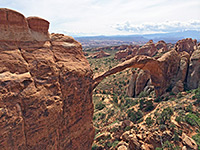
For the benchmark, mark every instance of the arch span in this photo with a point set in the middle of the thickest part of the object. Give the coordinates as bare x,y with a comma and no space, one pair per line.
161,70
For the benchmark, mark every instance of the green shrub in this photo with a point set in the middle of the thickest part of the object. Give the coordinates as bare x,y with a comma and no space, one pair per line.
114,144
94,147
197,139
192,119
178,119
171,93
149,121
149,106
127,128
158,99
165,116
130,102
113,129
175,137
115,99
143,94
189,108
100,106
169,89
179,95
141,103
134,116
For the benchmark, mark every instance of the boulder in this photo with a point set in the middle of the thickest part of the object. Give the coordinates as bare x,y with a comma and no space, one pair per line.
189,142
122,147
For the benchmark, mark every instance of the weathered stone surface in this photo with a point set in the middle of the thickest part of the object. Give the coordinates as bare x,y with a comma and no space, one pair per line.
189,142
131,87
148,49
122,147
161,46
20,32
138,82
99,54
127,53
187,45
193,79
45,87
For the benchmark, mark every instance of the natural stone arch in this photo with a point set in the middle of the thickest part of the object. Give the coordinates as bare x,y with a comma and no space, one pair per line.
161,70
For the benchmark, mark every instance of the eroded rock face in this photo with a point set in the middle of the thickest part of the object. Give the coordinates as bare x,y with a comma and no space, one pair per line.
45,87
187,45
161,46
127,53
138,82
100,54
149,49
193,79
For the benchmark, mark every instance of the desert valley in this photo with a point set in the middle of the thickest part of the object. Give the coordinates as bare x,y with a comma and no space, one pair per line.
63,93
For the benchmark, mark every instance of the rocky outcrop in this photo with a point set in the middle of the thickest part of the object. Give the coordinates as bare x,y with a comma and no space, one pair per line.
187,45
149,49
184,73
20,32
138,82
45,87
130,51
193,78
100,54
189,142
161,46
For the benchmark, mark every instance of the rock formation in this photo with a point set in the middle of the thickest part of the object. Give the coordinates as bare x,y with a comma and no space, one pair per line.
187,45
182,73
193,78
45,87
148,49
99,54
129,51
138,82
161,46
162,70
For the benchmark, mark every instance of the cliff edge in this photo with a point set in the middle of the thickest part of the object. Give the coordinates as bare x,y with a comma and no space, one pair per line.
45,87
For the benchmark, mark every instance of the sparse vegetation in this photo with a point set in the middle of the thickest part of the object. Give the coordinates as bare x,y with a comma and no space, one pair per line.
113,106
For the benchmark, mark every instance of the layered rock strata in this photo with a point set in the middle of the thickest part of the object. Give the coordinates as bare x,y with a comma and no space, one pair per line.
45,87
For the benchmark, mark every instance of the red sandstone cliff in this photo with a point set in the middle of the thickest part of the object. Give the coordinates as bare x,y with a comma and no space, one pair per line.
45,87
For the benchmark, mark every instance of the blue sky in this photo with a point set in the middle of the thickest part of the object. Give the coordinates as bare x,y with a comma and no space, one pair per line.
112,17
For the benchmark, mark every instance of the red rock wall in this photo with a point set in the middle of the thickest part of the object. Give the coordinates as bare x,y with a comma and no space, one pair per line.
45,90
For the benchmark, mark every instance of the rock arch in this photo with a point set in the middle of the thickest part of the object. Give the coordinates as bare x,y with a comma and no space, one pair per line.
161,70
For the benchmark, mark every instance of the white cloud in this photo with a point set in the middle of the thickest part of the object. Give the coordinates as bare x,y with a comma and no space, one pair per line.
168,26
98,16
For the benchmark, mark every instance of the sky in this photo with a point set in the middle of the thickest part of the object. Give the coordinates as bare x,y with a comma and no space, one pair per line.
111,17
